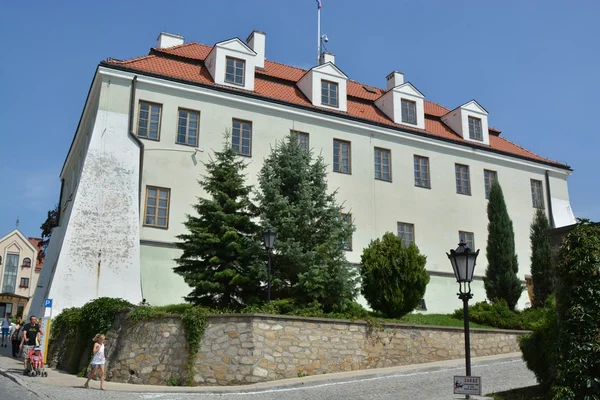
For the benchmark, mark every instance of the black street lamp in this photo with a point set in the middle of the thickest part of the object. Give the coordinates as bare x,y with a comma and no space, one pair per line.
463,263
269,237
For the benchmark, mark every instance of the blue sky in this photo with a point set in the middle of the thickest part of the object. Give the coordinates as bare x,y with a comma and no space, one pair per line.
534,65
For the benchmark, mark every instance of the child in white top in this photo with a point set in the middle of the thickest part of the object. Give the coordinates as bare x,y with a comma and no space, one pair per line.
98,361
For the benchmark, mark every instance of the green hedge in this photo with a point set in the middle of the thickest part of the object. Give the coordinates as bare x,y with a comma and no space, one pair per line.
499,315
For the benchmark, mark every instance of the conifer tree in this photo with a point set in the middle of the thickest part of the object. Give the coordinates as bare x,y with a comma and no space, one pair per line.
309,262
541,259
221,258
501,280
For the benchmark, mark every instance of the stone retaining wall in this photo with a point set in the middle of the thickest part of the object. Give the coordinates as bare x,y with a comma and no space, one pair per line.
242,349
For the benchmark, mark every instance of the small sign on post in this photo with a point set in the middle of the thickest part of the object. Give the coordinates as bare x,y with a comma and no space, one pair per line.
48,303
467,385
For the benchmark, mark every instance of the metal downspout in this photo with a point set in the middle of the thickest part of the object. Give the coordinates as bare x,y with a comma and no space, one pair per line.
549,196
140,144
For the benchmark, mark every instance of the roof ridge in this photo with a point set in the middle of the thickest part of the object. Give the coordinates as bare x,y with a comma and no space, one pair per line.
114,61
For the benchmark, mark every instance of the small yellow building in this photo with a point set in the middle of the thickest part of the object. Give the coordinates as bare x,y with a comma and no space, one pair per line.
19,272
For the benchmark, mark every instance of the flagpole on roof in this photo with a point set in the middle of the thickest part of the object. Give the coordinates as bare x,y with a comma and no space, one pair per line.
318,30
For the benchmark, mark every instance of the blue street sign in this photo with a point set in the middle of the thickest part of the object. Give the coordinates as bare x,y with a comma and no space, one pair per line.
48,303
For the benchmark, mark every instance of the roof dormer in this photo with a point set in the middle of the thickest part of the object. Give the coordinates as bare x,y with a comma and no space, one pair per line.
470,121
232,63
325,85
402,103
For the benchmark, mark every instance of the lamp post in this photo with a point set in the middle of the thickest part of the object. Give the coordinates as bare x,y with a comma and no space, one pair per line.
463,263
269,237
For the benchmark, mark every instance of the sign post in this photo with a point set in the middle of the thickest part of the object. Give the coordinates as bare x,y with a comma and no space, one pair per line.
46,327
467,385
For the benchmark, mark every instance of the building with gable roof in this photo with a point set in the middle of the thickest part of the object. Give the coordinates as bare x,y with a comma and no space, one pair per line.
19,272
400,162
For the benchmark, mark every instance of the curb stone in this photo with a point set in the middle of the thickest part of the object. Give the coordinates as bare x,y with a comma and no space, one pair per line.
13,378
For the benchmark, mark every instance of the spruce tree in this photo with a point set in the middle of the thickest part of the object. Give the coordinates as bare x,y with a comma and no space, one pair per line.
310,262
501,280
541,259
221,258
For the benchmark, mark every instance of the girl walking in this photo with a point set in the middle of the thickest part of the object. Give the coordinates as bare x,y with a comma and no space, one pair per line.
97,361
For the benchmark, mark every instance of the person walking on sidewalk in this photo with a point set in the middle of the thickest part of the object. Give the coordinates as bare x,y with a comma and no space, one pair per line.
15,332
97,361
31,336
6,324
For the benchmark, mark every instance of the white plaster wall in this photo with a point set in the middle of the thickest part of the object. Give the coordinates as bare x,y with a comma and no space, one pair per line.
99,255
437,213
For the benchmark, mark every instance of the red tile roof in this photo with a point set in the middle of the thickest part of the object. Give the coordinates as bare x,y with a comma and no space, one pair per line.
35,243
278,82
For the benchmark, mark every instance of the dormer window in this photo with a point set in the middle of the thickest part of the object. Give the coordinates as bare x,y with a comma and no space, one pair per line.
235,71
469,121
329,93
475,131
409,112
325,85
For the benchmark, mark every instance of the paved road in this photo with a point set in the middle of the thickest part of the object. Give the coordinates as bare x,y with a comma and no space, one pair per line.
423,384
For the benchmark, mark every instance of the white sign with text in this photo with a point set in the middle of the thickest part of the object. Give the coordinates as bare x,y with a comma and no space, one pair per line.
467,385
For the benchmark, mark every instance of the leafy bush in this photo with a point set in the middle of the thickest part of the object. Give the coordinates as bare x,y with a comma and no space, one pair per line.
578,314
394,277
500,316
68,320
539,347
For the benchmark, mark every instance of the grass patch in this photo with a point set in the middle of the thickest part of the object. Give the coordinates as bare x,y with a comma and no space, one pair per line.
436,319
526,393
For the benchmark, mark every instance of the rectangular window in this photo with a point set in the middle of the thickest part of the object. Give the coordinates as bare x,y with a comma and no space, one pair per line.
406,232
20,309
341,156
489,177
409,111
235,70
241,138
383,164
329,93
11,268
347,219
149,120
463,185
24,283
537,196
302,139
157,207
468,238
187,127
422,171
475,131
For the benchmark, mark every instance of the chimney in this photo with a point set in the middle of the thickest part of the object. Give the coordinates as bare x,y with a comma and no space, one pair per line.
256,41
169,40
395,79
326,57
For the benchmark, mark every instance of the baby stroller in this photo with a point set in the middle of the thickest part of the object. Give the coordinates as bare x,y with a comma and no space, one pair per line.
35,364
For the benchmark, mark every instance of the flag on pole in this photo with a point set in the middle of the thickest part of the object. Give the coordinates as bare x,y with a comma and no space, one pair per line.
319,5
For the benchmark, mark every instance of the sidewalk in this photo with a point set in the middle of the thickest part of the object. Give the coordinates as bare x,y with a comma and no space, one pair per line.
13,369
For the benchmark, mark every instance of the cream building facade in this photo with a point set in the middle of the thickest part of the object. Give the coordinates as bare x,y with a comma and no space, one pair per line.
400,163
19,272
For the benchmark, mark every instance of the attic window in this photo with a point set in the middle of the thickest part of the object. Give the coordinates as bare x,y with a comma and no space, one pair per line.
329,93
475,131
409,112
370,90
234,72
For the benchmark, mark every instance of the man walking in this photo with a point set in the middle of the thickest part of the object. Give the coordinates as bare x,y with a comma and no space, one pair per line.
31,334
6,323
